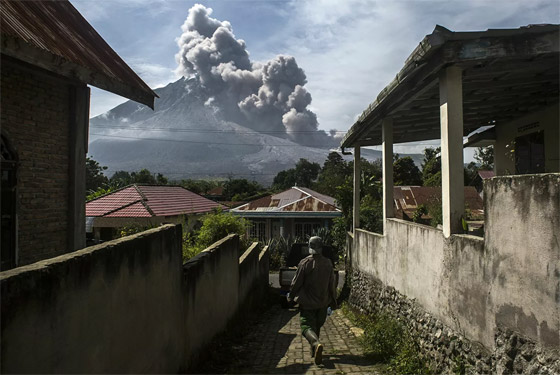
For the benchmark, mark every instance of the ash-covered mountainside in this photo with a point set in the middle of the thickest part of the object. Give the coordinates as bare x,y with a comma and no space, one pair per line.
184,138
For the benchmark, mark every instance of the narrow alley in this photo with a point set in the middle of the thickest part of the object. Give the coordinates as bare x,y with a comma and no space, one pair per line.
273,344
276,346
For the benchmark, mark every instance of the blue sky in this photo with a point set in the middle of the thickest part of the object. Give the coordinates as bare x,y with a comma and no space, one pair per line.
349,49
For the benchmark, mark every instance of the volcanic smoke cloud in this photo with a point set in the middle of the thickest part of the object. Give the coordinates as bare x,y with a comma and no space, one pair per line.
267,97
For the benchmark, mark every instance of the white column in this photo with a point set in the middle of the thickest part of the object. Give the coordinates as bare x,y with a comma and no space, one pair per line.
387,134
357,177
452,177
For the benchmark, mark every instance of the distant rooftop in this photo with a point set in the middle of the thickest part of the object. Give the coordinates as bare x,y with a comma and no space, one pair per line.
297,200
145,201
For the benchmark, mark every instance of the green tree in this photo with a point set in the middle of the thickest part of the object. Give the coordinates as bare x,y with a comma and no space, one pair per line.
303,175
431,167
143,177
333,173
485,157
405,172
199,186
120,179
95,178
241,189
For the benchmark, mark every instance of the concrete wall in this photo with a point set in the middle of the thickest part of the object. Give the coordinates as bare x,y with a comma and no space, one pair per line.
110,308
510,280
546,120
523,243
126,306
211,293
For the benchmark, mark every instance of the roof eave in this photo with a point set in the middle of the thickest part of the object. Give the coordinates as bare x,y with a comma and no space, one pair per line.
436,51
17,48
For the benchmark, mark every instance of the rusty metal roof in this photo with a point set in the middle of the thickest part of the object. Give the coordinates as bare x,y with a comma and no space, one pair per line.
54,36
408,198
149,201
294,200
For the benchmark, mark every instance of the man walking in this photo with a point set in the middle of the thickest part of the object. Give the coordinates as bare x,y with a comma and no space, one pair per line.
313,288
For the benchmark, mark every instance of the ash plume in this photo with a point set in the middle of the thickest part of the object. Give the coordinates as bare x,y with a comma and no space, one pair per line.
266,96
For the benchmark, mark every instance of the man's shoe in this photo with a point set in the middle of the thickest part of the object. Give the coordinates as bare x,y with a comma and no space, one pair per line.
319,354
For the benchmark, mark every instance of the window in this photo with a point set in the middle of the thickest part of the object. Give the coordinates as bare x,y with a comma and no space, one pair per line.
304,230
257,230
8,239
529,153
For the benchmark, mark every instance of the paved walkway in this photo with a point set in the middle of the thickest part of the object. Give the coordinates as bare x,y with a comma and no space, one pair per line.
275,346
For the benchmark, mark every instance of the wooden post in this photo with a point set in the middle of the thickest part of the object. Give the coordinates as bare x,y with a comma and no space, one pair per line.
387,134
356,201
452,177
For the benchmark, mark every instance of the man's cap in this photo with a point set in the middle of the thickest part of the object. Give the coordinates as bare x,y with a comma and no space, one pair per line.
315,245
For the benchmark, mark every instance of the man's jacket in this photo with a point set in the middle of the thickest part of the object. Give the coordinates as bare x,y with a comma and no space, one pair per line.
313,286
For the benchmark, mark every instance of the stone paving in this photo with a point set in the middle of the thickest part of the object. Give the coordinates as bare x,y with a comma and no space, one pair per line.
275,346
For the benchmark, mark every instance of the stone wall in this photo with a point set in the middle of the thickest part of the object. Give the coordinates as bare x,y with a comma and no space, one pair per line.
501,291
125,306
35,118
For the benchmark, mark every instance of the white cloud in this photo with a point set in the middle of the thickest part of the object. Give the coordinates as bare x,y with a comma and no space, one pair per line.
155,75
350,50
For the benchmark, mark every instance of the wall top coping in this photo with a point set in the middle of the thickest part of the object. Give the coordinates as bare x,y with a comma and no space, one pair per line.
47,263
248,252
263,252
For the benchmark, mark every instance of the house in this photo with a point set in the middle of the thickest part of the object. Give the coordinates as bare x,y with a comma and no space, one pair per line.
409,198
296,212
501,289
50,53
144,206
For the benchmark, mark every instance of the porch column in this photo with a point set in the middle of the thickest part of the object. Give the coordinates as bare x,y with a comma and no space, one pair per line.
282,227
387,135
356,201
452,177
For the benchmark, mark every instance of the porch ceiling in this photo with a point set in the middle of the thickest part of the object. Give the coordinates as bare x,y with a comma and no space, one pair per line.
506,74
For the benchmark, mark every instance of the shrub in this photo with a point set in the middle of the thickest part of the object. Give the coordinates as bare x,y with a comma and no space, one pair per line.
387,340
215,226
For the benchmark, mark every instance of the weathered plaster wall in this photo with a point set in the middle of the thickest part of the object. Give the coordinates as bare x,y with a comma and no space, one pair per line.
546,120
126,306
110,308
502,291
211,293
248,270
409,258
523,243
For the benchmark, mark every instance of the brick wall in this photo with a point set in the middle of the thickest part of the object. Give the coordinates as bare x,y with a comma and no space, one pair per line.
35,118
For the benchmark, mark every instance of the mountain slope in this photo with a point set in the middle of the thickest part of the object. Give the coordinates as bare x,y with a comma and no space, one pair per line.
184,138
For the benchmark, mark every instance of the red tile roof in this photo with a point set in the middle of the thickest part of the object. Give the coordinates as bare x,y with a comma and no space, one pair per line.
149,201
486,174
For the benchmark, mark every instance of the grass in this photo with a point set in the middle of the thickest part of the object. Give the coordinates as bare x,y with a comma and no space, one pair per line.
386,340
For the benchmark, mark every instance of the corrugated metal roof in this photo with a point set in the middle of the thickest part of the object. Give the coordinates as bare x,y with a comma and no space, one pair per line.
150,201
55,36
295,199
410,197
